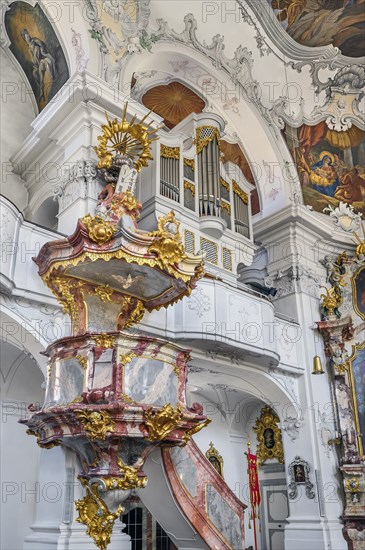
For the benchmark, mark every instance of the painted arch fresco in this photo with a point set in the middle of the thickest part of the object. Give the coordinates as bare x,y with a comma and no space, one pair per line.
330,165
323,22
37,49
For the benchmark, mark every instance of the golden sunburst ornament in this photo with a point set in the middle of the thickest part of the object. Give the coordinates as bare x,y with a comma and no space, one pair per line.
125,138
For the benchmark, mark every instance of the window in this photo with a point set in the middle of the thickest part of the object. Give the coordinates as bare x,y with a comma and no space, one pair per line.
134,527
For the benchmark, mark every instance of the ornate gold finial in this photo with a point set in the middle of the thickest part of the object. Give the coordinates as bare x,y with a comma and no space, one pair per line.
215,458
125,138
332,300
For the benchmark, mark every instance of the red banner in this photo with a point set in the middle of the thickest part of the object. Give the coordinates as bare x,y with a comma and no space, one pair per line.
253,478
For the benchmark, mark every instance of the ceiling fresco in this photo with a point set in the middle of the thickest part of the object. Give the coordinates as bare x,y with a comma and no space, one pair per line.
323,22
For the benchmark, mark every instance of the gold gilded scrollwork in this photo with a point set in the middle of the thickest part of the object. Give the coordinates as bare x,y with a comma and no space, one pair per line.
104,340
190,186
161,422
167,245
130,479
239,192
136,314
189,162
226,206
224,183
169,152
95,514
62,288
127,357
204,135
268,436
352,485
100,231
104,292
83,361
106,257
96,423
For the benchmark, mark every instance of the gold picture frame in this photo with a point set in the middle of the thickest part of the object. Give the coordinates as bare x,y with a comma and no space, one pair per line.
215,459
358,284
269,439
352,383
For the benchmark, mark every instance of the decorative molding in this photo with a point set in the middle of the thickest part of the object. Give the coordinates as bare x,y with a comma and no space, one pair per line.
223,387
296,278
341,105
81,61
46,320
79,181
4,39
285,381
199,302
344,217
291,426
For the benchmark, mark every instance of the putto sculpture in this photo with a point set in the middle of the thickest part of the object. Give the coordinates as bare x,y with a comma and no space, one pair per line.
113,397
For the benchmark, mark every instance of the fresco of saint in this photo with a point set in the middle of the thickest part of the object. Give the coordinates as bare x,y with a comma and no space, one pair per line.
43,62
35,45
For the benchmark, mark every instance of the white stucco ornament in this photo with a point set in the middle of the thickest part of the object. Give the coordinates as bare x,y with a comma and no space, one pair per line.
343,216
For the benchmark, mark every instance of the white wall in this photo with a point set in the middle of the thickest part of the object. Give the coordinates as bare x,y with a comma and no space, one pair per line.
21,381
17,112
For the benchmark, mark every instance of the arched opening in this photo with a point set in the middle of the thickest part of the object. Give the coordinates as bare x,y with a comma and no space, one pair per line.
46,214
21,385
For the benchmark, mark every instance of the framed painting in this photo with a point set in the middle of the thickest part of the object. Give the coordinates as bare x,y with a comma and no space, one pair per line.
357,384
269,440
330,165
215,458
35,45
358,292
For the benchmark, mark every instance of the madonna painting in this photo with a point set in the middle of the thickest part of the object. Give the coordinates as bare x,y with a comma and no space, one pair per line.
330,165
37,49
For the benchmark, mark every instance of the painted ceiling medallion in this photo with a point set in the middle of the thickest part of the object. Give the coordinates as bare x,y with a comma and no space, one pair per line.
105,275
173,102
